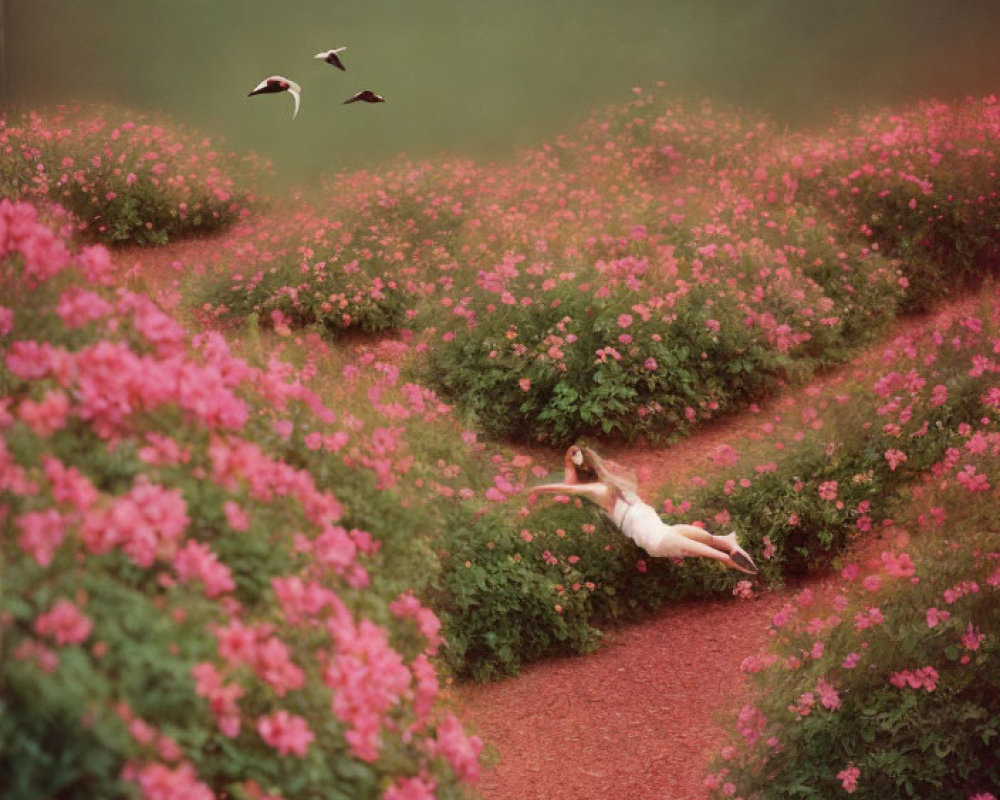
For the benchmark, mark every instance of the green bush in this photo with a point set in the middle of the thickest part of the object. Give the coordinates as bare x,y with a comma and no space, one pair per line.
124,178
193,602
887,689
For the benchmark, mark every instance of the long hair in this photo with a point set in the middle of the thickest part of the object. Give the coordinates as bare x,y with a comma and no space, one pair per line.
615,475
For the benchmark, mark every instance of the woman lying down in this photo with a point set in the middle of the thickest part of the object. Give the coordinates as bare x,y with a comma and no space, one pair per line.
587,475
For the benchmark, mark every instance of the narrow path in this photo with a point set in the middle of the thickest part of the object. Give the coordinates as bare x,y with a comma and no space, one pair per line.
636,720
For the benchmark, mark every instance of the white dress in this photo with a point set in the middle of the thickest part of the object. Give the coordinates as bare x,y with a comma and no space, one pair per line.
640,523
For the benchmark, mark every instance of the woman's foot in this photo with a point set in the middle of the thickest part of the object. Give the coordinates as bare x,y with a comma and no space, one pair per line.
739,556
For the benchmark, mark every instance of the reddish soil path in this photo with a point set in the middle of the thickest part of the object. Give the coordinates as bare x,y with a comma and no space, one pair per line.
636,720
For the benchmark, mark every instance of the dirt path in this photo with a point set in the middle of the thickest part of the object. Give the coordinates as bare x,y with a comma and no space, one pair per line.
636,720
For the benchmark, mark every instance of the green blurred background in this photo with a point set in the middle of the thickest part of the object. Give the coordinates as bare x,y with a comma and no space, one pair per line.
467,77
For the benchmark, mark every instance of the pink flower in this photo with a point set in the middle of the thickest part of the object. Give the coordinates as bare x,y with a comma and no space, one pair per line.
146,523
406,606
828,490
894,458
68,485
65,623
828,695
849,778
751,723
273,665
159,782
768,549
934,616
410,789
458,749
222,698
973,481
196,561
525,384
79,307
41,534
867,618
926,678
900,566
47,416
237,518
624,320
972,638
286,733
367,677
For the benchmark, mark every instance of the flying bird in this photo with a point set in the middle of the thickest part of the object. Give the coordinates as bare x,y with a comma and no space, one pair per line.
365,96
331,57
276,83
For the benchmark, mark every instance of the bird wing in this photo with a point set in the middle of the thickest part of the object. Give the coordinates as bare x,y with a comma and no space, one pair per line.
295,94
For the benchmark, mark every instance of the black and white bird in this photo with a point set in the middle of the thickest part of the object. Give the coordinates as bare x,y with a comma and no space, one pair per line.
365,96
276,83
331,57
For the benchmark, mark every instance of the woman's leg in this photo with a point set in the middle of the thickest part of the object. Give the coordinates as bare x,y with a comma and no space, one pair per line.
737,556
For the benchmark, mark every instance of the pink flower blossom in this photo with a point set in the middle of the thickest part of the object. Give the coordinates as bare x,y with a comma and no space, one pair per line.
367,678
222,698
159,782
869,617
146,523
79,307
849,778
894,458
900,566
196,561
458,749
48,416
972,638
65,623
924,678
935,616
410,789
828,695
828,490
237,518
406,606
41,534
286,733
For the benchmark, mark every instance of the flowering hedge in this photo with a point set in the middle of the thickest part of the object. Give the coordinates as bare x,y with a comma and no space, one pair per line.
840,471
920,184
367,264
188,609
885,685
125,178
